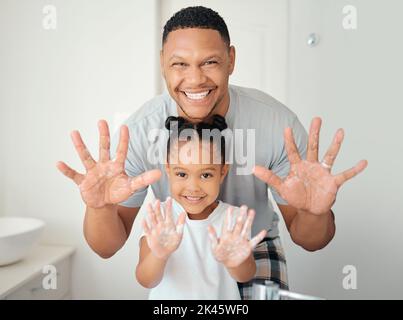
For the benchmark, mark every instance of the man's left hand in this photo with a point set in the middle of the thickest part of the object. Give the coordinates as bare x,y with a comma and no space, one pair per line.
310,186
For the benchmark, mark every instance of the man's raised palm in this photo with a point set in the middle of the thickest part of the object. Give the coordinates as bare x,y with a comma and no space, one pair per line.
106,181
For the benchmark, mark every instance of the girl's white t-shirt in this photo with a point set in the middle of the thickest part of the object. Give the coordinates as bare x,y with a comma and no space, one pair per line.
191,271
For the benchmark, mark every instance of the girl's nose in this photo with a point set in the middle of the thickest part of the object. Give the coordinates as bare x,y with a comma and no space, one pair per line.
193,185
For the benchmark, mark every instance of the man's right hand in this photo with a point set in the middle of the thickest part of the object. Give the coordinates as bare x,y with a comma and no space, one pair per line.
106,182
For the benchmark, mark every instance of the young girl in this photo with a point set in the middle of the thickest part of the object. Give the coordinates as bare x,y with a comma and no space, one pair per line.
190,260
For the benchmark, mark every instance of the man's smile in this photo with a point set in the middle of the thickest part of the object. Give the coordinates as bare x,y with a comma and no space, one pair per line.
197,97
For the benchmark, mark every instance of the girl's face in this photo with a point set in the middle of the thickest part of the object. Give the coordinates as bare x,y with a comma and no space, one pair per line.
195,184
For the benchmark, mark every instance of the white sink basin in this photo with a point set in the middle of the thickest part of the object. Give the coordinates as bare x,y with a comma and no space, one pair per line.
17,236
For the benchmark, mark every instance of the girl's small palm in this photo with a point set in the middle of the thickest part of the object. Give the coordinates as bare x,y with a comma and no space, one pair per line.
232,250
163,235
234,246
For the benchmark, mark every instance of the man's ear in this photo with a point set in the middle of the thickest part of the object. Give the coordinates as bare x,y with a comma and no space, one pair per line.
231,59
162,63
224,172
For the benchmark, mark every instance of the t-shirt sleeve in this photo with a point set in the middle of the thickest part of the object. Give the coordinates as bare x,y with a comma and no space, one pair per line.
282,166
133,167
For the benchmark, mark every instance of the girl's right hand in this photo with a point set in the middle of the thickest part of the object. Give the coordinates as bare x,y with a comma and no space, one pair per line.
163,235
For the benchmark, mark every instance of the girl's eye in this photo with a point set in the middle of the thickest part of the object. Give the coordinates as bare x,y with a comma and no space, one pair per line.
206,175
181,174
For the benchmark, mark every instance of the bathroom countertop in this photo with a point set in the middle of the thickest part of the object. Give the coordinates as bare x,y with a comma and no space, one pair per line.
17,274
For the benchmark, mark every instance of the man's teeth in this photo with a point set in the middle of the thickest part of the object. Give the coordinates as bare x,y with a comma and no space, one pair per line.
197,96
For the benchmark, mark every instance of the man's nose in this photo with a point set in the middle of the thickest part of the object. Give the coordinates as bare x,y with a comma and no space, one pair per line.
195,76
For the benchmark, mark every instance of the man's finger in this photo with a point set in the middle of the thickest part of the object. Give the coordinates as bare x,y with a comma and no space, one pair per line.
70,173
334,148
104,141
348,174
121,152
313,140
82,150
290,146
144,180
268,177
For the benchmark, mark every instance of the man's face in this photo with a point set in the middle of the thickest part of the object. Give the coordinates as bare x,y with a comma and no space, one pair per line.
196,65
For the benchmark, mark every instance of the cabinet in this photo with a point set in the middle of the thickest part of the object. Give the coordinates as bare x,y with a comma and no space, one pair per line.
45,274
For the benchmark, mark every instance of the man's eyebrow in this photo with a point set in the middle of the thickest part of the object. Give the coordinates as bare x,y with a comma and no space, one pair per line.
213,56
175,57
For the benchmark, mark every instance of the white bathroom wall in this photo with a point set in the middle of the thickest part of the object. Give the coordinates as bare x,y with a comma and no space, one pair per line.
99,63
352,79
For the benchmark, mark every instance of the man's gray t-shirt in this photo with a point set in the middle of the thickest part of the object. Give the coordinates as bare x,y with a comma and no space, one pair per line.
249,109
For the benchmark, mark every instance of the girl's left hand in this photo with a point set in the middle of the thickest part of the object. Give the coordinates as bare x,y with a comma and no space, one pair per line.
234,247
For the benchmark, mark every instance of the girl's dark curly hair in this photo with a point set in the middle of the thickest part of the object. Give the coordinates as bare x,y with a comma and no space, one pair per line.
177,124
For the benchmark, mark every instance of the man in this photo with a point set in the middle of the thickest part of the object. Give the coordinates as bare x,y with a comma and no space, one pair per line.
196,61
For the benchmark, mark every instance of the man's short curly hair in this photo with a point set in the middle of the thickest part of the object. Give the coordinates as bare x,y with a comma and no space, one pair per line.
197,17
